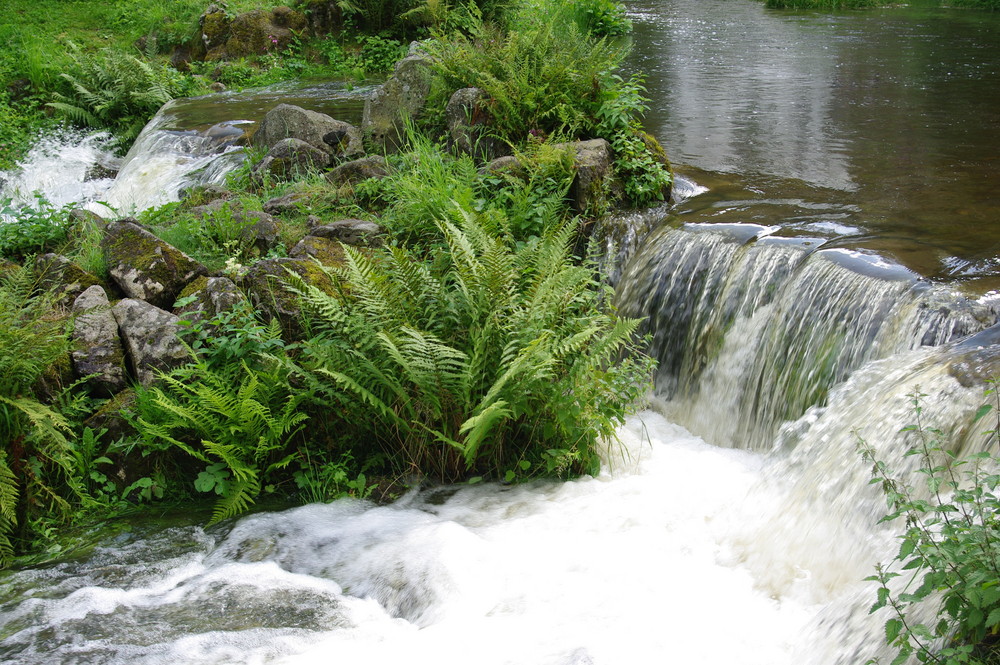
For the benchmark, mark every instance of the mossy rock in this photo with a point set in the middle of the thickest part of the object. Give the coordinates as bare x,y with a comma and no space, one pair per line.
97,353
266,285
111,417
145,267
63,278
260,31
326,251
212,296
660,155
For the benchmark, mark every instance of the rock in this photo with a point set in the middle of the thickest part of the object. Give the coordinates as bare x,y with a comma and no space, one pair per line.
63,278
111,417
358,170
144,266
150,338
290,202
351,232
259,31
403,95
255,230
266,286
326,251
217,86
288,159
200,195
336,138
97,349
508,164
323,16
592,163
213,28
213,296
82,217
468,121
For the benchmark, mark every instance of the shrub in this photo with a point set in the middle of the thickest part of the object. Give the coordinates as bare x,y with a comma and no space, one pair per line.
33,229
493,359
950,549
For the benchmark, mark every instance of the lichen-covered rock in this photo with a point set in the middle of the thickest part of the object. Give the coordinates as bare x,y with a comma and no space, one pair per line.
351,232
468,120
97,349
266,286
150,338
288,159
338,139
145,267
213,296
403,95
63,278
358,170
326,251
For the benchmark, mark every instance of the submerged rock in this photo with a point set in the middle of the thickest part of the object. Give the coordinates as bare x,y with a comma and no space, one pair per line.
145,267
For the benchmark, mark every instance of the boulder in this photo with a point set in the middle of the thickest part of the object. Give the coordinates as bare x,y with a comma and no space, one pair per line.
150,338
63,278
255,231
111,417
323,16
145,267
261,31
266,286
592,163
213,296
351,232
213,31
97,349
358,170
290,202
288,159
338,139
468,120
403,95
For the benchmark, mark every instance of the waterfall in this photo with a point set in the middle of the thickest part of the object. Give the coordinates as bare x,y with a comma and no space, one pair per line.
761,327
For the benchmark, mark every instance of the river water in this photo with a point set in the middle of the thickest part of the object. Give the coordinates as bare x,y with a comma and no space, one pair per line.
831,248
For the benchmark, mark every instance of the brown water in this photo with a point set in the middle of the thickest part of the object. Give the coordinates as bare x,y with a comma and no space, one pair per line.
879,129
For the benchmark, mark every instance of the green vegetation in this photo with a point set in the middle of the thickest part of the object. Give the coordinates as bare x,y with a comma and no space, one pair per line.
949,551
474,343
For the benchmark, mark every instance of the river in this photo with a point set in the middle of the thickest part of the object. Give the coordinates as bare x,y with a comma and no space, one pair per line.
832,246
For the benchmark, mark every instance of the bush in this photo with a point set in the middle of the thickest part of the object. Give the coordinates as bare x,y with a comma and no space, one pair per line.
33,229
951,545
493,359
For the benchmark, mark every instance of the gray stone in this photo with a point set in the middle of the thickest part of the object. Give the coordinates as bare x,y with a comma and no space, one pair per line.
266,286
326,251
150,338
338,139
351,232
145,267
592,163
288,159
291,202
213,296
63,278
358,170
403,95
97,349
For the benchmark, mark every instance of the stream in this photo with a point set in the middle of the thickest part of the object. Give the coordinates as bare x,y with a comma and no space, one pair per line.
831,249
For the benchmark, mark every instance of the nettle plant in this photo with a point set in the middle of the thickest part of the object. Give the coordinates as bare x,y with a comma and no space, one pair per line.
950,549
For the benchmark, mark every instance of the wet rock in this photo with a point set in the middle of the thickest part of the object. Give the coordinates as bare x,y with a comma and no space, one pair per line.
145,267
289,159
338,139
468,120
358,170
351,232
63,278
97,349
403,95
150,338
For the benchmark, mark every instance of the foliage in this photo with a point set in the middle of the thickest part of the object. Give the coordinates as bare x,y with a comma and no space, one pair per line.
232,408
950,549
114,89
37,471
33,229
379,54
493,358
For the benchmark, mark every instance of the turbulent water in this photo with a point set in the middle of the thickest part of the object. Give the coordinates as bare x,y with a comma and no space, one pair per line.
734,522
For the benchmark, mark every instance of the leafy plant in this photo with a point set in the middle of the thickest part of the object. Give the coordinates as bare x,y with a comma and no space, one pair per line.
114,89
494,353
32,229
950,549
